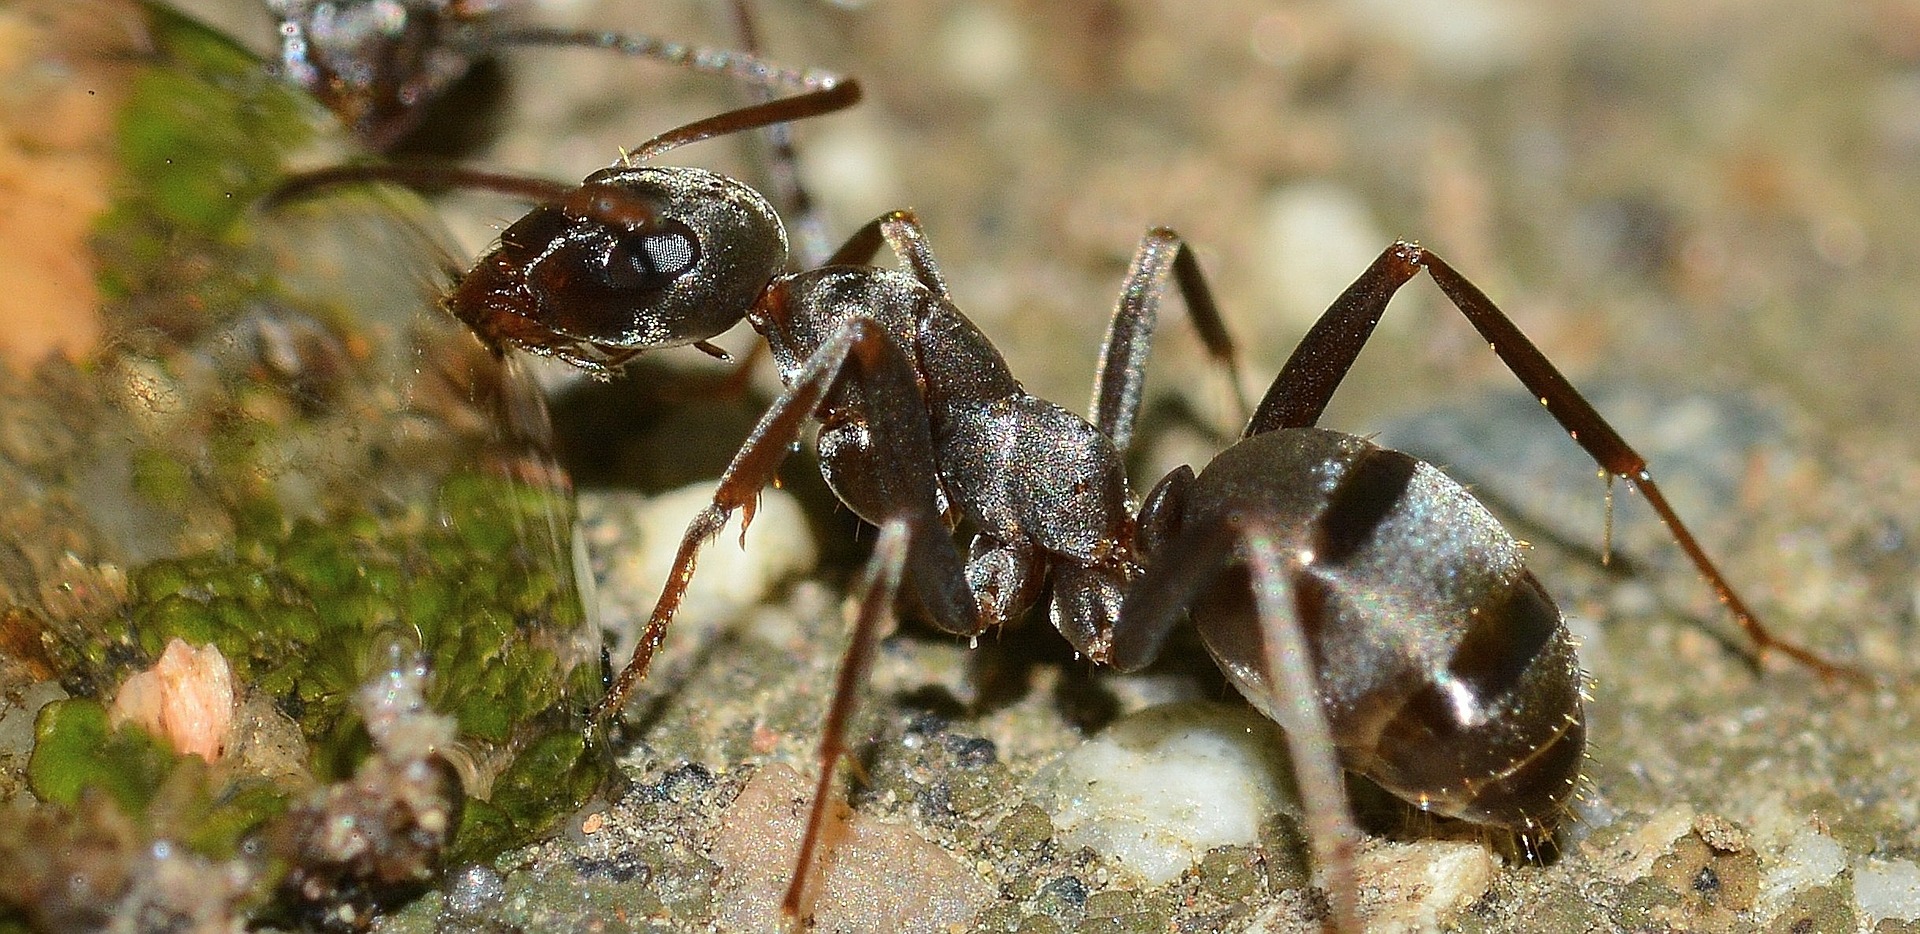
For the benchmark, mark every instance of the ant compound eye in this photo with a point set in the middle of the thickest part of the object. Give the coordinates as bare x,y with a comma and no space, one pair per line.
647,259
672,253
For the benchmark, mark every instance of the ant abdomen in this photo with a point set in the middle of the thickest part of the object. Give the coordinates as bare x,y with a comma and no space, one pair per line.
637,258
1445,673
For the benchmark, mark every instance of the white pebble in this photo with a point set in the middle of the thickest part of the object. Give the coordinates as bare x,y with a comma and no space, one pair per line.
1810,859
1420,885
1316,237
982,49
1161,787
1887,889
730,578
1461,38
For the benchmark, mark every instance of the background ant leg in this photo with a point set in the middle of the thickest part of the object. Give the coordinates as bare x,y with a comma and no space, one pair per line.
743,65
814,103
1162,254
804,222
1189,568
861,350
1301,391
874,595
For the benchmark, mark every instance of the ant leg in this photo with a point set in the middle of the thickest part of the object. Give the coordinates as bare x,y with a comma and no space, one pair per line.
1300,393
1307,381
1123,356
859,349
1289,667
861,246
833,95
874,595
901,231
1281,683
826,100
1162,255
744,66
808,227
1592,432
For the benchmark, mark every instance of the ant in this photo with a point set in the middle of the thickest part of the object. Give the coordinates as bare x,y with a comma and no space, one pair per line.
380,64
1352,593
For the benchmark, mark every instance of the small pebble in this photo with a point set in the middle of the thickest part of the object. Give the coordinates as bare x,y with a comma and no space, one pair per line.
1161,787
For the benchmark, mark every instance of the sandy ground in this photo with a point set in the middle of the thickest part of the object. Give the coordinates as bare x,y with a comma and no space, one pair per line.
1701,211
1696,209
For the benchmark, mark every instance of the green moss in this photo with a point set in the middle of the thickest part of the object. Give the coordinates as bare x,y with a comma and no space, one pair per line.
302,624
1027,827
308,518
1826,909
1228,872
74,750
203,134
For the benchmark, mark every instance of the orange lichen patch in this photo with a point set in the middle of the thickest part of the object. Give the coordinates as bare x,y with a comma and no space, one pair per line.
186,699
21,644
870,875
56,167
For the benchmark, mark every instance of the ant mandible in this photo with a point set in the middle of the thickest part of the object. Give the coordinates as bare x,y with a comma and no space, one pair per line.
1354,594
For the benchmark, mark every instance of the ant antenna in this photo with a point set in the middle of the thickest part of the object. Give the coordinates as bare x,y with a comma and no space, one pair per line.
836,96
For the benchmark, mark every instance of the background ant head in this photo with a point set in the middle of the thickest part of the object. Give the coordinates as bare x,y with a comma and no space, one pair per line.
376,64
634,259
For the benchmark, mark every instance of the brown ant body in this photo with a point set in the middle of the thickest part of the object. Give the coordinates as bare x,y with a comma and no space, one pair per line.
1354,594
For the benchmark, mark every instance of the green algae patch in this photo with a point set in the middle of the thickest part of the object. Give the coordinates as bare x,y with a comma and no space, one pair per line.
303,609
78,754
286,452
204,132
208,131
76,750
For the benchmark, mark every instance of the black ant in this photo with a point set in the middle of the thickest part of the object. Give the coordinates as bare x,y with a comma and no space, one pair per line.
1354,594
380,64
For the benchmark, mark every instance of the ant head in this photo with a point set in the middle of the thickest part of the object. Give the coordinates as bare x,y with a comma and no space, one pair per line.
373,64
635,258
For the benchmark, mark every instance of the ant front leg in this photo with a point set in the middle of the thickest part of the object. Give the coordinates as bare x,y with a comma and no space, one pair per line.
1307,381
860,351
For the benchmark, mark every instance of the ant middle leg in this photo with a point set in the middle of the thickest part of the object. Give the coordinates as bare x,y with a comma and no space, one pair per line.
1162,255
1186,571
1305,384
873,597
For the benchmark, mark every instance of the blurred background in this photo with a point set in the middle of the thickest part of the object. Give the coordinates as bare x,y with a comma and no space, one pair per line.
1704,211
1711,192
